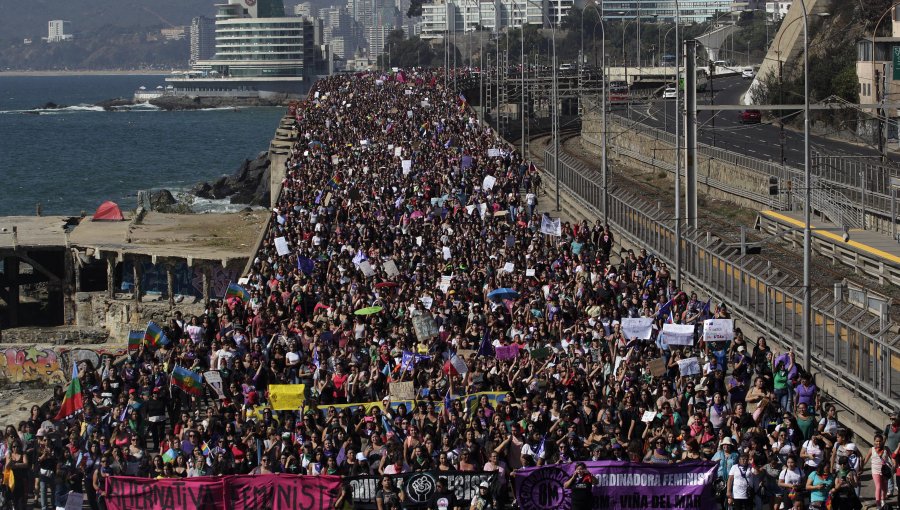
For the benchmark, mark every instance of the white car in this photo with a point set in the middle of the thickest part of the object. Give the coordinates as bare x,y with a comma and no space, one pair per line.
670,93
747,73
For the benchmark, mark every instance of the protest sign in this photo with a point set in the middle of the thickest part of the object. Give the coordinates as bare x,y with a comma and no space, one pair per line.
505,352
648,416
637,328
678,334
244,492
390,268
406,165
621,485
281,246
718,330
402,390
366,268
689,366
459,365
424,327
551,226
657,367
419,487
488,182
493,153
214,379
287,397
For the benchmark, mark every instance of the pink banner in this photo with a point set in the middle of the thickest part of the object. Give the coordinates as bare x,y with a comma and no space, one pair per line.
505,352
239,492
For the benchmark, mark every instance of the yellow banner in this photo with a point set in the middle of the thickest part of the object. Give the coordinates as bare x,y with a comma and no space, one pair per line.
286,397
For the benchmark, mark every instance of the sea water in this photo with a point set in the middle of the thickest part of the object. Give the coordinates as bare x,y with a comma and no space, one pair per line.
71,159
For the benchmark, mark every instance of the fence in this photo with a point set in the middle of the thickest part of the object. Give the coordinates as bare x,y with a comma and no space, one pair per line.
849,345
860,185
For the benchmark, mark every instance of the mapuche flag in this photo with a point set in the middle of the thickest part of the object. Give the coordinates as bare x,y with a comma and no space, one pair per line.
73,402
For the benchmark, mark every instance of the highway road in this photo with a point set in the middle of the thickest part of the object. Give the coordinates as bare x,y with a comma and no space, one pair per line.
722,129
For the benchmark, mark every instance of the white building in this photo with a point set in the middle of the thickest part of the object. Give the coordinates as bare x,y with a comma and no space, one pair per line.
689,11
303,10
59,30
775,10
467,15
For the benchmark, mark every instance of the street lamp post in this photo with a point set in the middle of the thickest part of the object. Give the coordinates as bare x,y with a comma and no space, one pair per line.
807,210
882,138
677,148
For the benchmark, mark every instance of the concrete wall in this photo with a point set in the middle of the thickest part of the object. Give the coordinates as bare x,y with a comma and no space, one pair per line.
657,154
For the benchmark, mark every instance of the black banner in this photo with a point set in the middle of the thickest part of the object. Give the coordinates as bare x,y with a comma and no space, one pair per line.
420,487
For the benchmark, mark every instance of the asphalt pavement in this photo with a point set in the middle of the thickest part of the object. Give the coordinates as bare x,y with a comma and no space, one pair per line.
723,128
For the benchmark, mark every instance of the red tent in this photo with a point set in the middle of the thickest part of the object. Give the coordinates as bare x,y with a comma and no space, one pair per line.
108,211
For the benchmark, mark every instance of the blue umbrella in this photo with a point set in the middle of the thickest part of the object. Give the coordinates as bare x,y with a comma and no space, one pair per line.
502,293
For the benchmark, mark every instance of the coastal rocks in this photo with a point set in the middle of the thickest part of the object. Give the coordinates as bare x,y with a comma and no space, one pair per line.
161,198
248,185
200,103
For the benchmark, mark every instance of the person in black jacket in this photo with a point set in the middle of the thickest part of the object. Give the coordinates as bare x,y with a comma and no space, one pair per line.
581,484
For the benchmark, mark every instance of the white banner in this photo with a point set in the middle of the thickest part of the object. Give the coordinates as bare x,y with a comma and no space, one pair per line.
488,182
718,330
551,226
637,328
678,334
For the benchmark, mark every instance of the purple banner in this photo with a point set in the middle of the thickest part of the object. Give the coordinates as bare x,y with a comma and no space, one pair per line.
505,352
621,486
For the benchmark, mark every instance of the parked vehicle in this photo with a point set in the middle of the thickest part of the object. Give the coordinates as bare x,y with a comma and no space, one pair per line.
670,93
747,73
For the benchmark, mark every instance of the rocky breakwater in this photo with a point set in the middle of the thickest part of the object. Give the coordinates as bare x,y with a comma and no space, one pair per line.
248,185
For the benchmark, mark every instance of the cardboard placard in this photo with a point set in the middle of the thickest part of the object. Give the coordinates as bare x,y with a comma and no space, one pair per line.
648,416
678,334
402,390
657,367
390,268
424,327
214,379
718,330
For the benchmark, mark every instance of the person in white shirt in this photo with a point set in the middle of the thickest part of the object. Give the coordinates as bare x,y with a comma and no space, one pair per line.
743,480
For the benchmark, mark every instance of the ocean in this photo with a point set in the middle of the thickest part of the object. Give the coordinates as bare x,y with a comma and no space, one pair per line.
72,159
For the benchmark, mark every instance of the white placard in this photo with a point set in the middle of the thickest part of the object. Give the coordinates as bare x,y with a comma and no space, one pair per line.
419,240
214,379
406,164
408,92
678,334
529,272
493,153
648,416
689,366
482,210
718,330
640,327
281,246
398,151
426,301
459,364
390,268
446,252
509,267
551,226
366,268
470,209
444,285
488,183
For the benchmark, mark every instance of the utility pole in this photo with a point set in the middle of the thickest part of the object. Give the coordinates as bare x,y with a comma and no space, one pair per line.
677,151
712,99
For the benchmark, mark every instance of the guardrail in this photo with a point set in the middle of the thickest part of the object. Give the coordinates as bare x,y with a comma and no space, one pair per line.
862,186
849,345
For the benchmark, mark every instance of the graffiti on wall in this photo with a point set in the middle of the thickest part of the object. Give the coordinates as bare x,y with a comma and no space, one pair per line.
35,364
187,281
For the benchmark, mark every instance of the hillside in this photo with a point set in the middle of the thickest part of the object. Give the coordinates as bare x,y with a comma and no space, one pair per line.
29,18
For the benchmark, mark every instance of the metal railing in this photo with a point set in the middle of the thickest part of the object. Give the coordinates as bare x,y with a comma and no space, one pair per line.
861,183
849,345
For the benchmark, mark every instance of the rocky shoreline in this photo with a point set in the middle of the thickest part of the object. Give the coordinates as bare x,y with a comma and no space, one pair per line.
248,185
173,103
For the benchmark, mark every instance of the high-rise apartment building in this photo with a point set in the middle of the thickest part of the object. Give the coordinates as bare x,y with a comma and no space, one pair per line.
59,30
203,39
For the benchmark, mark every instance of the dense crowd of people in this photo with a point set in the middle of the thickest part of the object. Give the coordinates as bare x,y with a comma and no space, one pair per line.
397,199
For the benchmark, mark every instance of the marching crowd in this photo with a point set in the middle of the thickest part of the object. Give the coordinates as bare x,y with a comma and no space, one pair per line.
400,208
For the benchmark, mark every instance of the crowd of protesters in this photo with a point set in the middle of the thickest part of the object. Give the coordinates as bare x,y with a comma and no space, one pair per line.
351,211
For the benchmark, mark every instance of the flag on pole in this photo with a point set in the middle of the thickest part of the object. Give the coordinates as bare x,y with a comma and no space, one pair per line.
154,335
307,266
204,449
187,380
236,291
665,309
134,339
169,456
73,402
